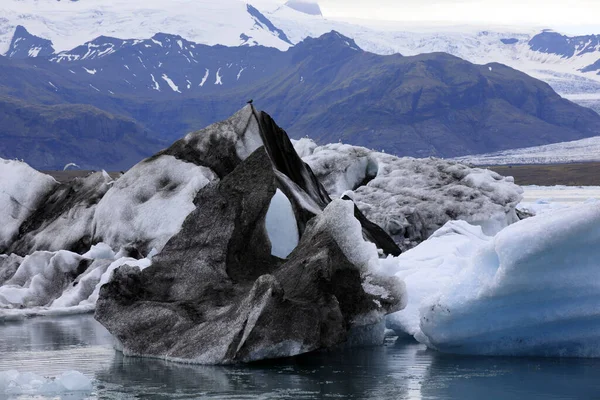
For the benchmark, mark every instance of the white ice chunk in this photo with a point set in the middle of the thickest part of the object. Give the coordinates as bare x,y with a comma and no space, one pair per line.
281,225
429,268
21,190
26,383
533,290
304,147
100,251
412,198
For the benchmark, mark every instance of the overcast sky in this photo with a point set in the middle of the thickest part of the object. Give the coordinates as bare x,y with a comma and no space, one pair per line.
575,16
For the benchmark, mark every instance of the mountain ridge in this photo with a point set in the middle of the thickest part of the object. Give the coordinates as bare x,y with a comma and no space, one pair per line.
327,87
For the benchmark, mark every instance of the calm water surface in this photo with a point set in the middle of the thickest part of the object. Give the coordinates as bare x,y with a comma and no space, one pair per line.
398,370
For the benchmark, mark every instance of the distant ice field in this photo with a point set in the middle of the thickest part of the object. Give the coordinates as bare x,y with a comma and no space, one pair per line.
540,199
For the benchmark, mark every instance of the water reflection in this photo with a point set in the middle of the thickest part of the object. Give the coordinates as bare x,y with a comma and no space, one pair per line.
56,333
465,377
398,370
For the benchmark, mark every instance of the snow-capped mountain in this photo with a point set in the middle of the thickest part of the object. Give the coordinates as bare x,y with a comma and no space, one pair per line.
570,64
327,87
167,64
70,23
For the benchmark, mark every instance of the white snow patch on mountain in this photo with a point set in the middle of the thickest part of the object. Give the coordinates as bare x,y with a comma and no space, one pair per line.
156,85
33,52
218,77
205,77
171,84
240,73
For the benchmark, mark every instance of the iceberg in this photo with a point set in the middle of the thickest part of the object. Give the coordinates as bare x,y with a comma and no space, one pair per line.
240,240
532,290
53,283
23,190
229,287
429,268
412,198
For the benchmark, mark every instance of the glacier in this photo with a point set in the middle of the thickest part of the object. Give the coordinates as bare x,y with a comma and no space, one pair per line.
584,150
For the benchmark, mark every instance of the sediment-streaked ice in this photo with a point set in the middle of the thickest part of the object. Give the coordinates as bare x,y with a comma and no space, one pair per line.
62,282
147,205
22,191
412,198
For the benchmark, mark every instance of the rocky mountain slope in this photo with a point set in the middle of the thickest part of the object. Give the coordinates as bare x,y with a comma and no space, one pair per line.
328,88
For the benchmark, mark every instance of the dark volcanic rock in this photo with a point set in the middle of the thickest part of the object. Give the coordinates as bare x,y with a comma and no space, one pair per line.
218,294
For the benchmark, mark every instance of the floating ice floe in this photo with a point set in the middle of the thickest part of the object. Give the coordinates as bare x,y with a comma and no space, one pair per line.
13,382
230,286
53,283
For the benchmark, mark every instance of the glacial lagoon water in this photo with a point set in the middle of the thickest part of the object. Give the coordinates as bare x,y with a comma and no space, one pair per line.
400,369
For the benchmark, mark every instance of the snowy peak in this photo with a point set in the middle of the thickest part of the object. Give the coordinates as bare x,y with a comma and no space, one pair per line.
569,48
332,46
305,6
554,43
25,45
69,24
264,23
97,48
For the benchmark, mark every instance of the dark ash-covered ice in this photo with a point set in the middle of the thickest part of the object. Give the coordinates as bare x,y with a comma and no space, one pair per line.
219,293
